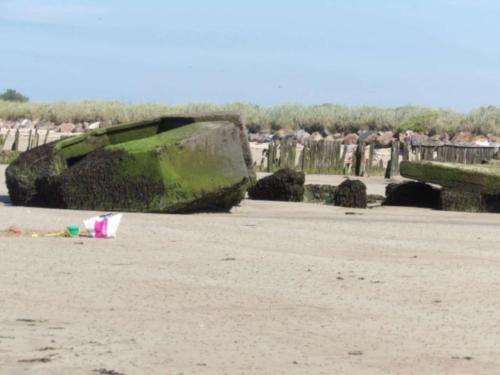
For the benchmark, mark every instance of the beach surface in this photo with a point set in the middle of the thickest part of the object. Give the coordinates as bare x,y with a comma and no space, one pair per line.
272,288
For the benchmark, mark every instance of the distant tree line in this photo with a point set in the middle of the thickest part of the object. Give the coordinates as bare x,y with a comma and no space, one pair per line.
11,95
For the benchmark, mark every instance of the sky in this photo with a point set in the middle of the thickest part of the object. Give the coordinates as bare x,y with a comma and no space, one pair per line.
438,53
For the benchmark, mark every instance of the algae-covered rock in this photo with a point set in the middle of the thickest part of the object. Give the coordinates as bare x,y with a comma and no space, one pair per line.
459,200
351,193
319,193
469,201
284,185
170,164
412,194
325,194
7,157
375,199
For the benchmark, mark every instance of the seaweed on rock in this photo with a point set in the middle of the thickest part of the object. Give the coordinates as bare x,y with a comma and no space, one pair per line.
469,201
319,193
351,193
284,185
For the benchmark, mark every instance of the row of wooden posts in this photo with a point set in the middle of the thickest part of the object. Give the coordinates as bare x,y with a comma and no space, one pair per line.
26,139
15,145
322,157
330,157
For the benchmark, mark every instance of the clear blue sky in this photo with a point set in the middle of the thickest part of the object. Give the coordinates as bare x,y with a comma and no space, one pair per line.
442,53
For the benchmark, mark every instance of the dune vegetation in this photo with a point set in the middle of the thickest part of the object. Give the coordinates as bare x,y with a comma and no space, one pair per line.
331,117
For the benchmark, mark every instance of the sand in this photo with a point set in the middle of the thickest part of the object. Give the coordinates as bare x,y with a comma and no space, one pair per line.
272,288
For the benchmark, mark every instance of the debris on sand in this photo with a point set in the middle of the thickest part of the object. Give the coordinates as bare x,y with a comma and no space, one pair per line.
36,360
17,232
466,358
14,230
103,371
103,226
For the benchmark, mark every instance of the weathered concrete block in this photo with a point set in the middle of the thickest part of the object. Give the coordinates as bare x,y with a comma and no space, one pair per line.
457,200
170,164
474,188
484,178
469,201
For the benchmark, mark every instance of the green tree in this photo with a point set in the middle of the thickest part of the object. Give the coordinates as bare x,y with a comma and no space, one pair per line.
11,95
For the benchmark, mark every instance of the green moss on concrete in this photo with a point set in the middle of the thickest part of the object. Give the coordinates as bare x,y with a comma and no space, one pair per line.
24,174
7,157
467,201
76,147
476,178
459,200
100,138
171,164
188,169
93,184
375,199
319,193
183,170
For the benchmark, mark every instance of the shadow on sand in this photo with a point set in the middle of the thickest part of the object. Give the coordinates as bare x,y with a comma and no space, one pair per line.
4,199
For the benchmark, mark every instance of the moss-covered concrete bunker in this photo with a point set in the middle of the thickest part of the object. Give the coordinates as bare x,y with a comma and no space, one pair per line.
169,164
474,188
483,178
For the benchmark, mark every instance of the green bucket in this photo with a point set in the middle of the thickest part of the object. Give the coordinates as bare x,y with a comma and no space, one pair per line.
73,231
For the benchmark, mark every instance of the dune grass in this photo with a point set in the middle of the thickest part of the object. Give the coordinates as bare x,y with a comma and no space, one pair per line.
332,117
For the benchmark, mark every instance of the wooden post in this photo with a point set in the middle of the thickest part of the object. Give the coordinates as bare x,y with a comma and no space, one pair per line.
15,145
406,151
303,157
30,139
342,158
270,155
46,136
37,138
393,167
339,163
5,138
359,167
370,158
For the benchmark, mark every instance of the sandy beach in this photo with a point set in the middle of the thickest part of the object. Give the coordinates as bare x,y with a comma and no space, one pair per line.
272,288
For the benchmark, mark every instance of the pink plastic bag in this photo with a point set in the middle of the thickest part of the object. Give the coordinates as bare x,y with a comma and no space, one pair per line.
104,226
101,229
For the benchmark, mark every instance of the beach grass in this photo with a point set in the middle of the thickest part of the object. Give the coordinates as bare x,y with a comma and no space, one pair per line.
334,118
